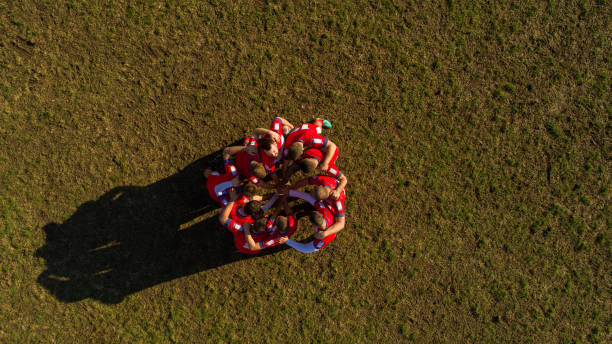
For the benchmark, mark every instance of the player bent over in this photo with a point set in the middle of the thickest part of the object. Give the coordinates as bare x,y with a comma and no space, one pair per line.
223,187
326,188
239,218
326,223
305,140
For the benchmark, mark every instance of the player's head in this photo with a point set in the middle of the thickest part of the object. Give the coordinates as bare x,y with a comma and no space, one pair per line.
282,224
269,146
295,150
249,189
258,170
320,192
308,166
260,225
317,219
253,208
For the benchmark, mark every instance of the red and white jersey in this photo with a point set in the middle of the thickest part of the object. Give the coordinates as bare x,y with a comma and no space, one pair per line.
316,154
269,162
238,217
243,163
268,238
306,126
336,207
218,185
263,242
329,220
273,230
309,136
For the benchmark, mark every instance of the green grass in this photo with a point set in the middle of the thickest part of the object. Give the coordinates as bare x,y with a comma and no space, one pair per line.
475,137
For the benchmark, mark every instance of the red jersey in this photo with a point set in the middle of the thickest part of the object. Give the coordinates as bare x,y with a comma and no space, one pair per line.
237,216
243,246
265,239
292,227
336,207
316,154
243,162
308,136
306,126
329,219
241,243
267,161
218,185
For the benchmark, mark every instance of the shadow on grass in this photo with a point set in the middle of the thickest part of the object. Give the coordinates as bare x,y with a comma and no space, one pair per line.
135,237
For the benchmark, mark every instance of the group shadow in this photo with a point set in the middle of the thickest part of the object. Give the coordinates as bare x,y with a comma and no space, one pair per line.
134,237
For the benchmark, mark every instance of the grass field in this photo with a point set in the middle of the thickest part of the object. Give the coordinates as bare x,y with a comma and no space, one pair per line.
476,137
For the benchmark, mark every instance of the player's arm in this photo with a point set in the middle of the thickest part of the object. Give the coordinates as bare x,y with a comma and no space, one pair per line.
286,163
261,132
225,213
330,150
299,184
333,229
276,211
274,177
304,248
231,151
286,123
260,245
342,183
266,185
253,246
303,195
271,201
294,167
287,208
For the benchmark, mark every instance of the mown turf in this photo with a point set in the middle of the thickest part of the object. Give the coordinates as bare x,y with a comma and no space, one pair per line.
475,136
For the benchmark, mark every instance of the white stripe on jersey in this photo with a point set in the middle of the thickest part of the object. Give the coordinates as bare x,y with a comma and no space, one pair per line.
332,171
276,127
319,130
339,205
268,243
233,169
304,126
317,141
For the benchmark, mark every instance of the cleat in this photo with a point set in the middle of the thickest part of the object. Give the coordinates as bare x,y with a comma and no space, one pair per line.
326,124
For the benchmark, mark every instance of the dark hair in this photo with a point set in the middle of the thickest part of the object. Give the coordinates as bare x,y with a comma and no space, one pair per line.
320,193
295,150
308,165
258,170
260,225
252,208
316,218
249,190
266,143
282,223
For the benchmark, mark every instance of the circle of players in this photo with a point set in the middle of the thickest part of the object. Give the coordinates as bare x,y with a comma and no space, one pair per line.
267,160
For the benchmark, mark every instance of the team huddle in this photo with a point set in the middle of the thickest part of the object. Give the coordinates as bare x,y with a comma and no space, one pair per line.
267,160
